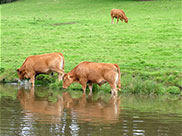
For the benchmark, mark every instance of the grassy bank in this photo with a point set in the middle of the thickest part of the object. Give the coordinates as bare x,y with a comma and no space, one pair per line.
147,49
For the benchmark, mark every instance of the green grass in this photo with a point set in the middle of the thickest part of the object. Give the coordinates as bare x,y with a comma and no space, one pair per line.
148,47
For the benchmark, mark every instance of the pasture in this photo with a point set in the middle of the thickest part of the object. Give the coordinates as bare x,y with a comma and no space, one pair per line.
148,48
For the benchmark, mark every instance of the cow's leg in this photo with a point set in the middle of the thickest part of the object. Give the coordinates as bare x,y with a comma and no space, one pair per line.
84,84
60,77
60,74
115,92
90,88
117,19
112,22
117,81
32,80
121,20
84,87
113,89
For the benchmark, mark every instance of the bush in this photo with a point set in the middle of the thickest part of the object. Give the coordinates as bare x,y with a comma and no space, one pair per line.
6,1
173,90
56,85
2,70
45,79
136,85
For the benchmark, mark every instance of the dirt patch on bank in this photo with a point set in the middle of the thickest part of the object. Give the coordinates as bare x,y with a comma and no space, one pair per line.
145,0
66,23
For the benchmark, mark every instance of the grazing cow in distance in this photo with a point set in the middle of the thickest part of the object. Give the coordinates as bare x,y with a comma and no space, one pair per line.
41,64
119,14
92,72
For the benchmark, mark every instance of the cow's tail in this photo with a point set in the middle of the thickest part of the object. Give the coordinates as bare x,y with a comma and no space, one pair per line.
119,75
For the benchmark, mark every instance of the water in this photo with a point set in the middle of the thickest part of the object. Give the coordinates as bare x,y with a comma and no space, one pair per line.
44,112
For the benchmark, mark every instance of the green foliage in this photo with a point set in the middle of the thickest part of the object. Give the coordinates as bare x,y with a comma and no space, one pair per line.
138,85
56,85
45,79
6,1
2,70
173,90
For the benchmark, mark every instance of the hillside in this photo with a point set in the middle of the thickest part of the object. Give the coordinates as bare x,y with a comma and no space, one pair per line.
148,49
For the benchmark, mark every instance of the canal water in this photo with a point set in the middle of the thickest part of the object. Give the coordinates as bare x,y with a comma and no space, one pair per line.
45,112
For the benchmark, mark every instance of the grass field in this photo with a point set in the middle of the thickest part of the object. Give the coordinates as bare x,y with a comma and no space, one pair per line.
148,49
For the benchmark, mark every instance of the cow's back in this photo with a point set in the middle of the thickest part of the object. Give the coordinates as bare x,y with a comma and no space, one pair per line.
94,71
123,14
116,12
43,62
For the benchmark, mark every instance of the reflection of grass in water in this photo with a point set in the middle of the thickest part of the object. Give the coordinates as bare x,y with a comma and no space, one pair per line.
161,104
149,46
144,103
10,91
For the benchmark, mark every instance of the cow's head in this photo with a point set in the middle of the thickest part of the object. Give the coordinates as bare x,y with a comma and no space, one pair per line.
126,20
67,80
21,74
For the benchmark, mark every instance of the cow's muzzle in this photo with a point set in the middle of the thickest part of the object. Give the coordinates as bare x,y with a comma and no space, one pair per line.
65,87
17,80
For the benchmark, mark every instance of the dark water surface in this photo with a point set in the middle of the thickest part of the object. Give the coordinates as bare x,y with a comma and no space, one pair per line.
44,112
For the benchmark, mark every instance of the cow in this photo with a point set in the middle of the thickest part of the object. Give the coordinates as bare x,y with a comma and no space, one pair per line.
41,64
119,14
92,72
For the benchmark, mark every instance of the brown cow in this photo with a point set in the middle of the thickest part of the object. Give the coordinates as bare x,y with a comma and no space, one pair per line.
41,64
119,14
91,72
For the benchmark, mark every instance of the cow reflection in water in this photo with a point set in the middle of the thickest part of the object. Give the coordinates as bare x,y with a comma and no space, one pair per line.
85,109
91,110
31,104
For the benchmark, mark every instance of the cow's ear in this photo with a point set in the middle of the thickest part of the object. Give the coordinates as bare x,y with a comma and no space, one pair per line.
64,75
70,76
